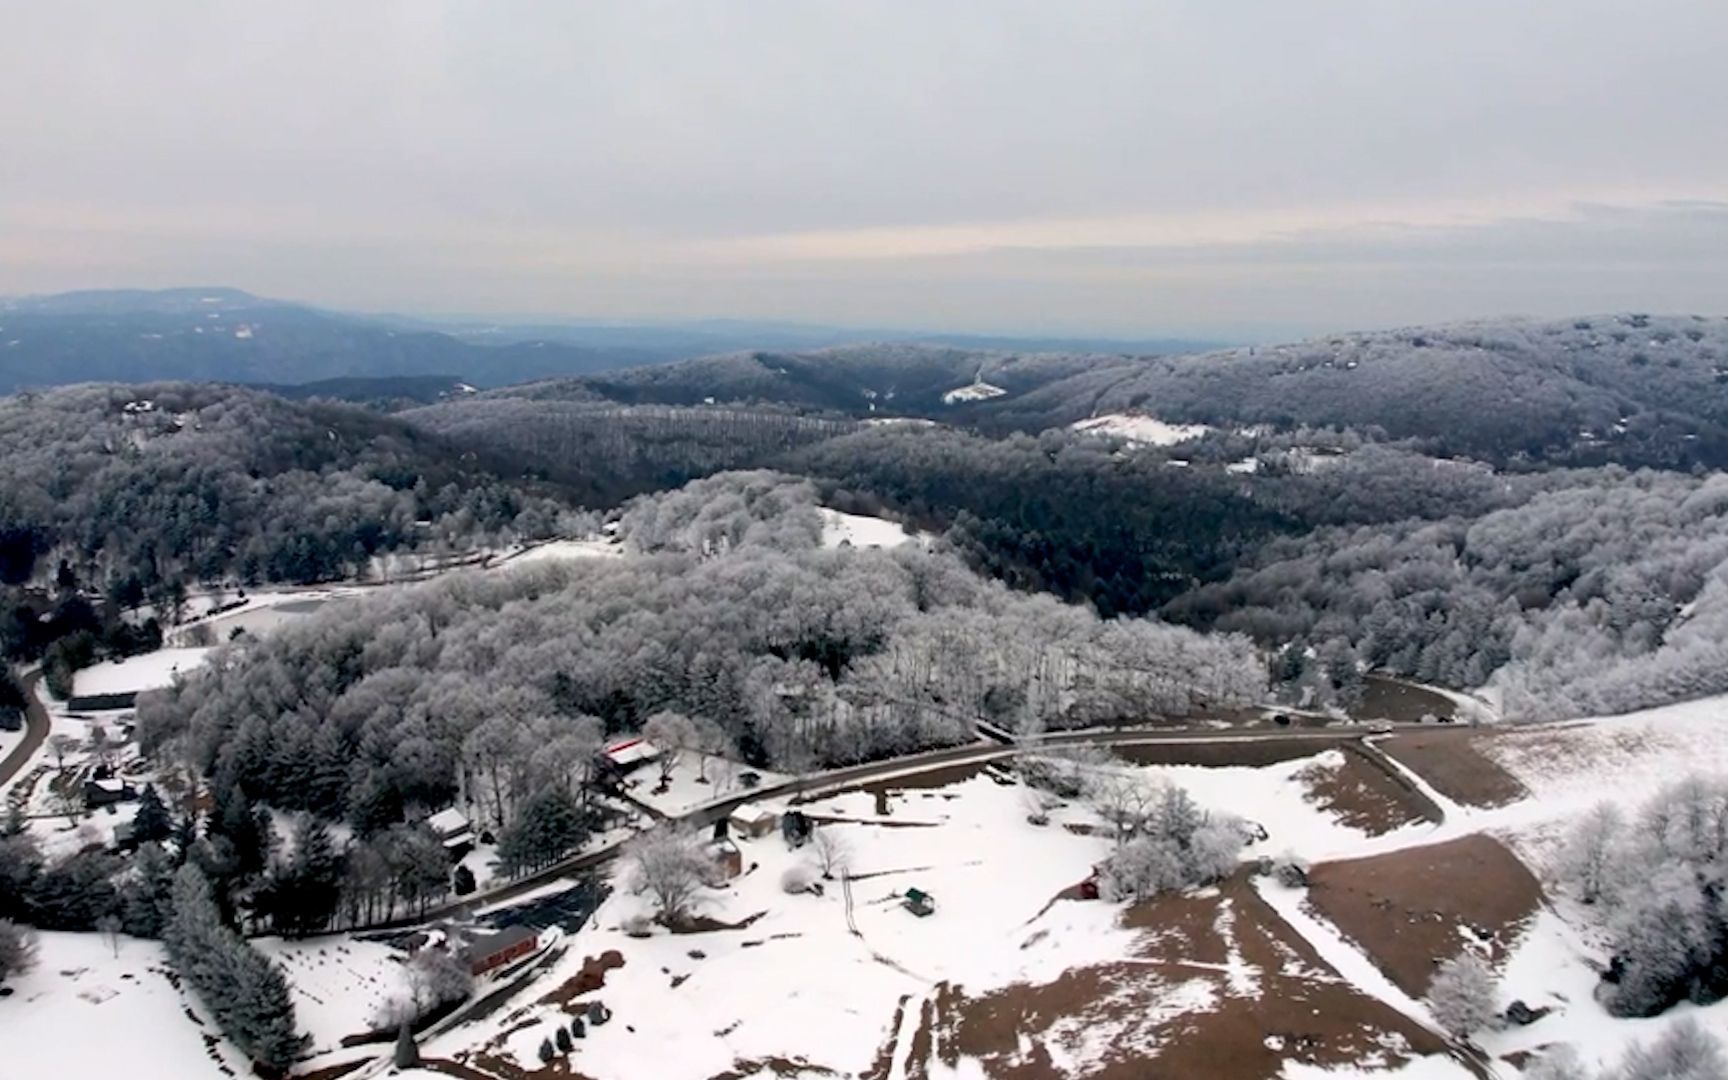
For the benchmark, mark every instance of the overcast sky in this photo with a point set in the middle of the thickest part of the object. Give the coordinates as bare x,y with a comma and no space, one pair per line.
1237,168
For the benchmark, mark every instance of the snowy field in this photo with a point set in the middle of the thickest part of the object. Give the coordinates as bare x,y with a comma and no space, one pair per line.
89,1013
1145,430
859,530
340,985
149,671
974,391
555,550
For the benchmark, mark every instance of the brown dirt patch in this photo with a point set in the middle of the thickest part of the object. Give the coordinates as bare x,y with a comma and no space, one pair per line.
1253,753
1448,759
779,1066
936,778
591,978
1178,927
454,1068
1310,1014
1399,702
1359,795
334,1072
1407,909
704,924
883,1063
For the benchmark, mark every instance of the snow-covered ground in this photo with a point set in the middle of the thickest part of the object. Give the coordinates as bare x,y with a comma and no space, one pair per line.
257,613
564,549
1146,430
859,530
1277,798
340,985
84,1012
149,671
687,790
974,391
793,983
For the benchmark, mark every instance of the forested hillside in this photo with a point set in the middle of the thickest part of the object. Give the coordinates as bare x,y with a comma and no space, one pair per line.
603,453
856,380
797,655
127,495
1636,390
1632,389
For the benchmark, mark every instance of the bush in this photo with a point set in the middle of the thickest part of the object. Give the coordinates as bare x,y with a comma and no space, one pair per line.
1289,869
1462,996
797,879
462,882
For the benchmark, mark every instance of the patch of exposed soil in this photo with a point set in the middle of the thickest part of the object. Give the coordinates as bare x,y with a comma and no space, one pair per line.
1359,795
334,1072
883,1063
936,778
1177,927
1408,909
1253,754
1449,759
779,1066
1400,702
1220,988
591,978
704,924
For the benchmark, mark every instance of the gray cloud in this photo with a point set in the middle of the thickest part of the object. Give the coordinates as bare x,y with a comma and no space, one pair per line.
1083,165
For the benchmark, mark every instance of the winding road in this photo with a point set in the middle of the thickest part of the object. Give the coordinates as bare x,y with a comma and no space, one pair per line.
36,728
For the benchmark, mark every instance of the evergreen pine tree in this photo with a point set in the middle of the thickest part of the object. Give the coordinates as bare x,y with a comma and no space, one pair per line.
145,896
152,823
407,1054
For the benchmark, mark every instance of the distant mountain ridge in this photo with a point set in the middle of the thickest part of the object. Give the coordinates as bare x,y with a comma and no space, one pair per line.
219,334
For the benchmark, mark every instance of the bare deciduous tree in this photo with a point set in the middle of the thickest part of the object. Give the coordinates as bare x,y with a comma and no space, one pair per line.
671,867
60,746
833,852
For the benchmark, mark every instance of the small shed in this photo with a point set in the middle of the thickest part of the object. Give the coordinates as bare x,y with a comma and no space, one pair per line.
454,831
919,903
752,820
492,951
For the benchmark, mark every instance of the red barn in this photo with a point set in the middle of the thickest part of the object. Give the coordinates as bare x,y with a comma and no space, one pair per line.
493,951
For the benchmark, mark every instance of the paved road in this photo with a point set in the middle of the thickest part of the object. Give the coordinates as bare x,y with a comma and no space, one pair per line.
35,732
703,816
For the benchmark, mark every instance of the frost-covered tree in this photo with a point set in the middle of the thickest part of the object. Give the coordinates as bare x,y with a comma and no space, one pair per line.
671,867
1171,844
833,851
1587,861
244,990
17,950
1683,1051
674,735
1559,1062
1463,995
